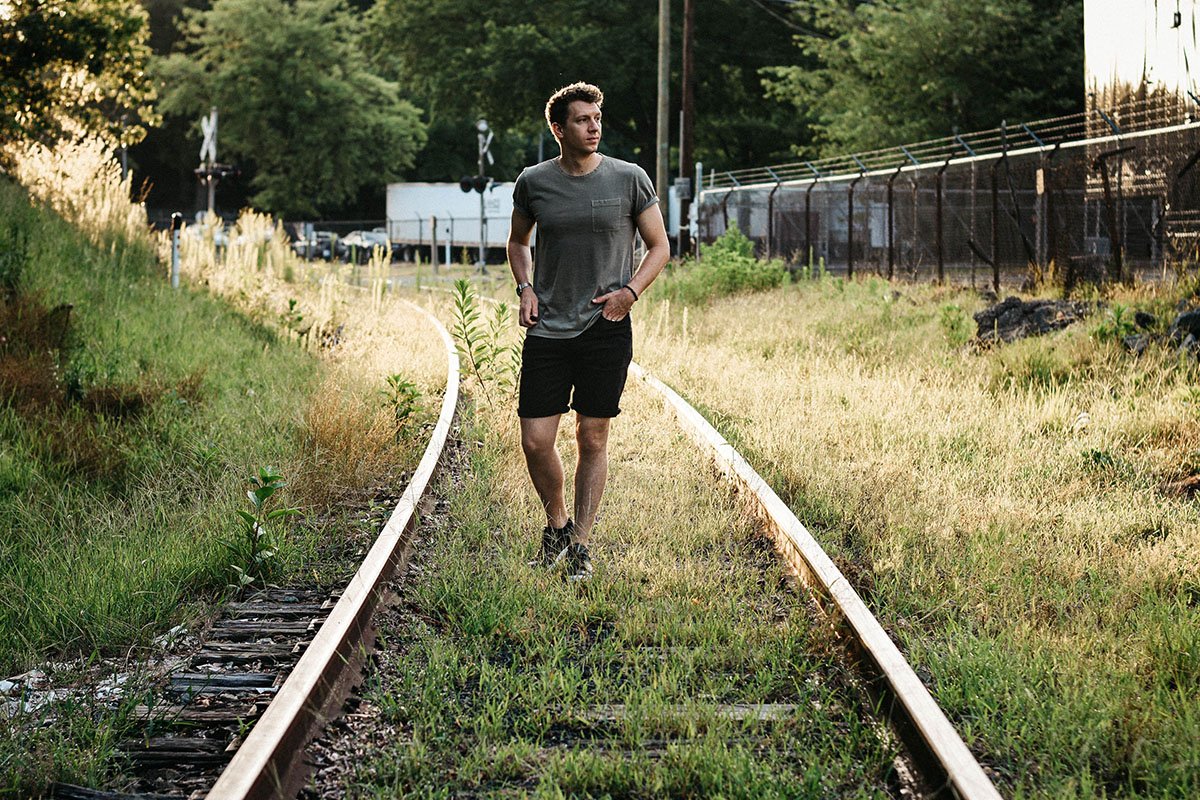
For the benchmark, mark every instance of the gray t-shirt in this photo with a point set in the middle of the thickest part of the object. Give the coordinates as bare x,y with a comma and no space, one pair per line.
585,228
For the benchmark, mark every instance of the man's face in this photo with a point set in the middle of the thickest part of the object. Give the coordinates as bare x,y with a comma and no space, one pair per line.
581,133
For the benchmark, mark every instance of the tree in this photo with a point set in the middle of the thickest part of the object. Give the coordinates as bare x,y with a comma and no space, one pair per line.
299,106
907,70
74,66
501,61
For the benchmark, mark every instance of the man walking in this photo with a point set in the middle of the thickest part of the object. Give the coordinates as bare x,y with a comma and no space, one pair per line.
575,302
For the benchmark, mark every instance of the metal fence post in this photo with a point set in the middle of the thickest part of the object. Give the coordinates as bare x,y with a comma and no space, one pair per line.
850,229
891,227
941,255
995,228
808,223
433,244
771,218
176,225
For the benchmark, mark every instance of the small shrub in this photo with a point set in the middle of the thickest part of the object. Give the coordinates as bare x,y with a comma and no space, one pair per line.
1117,324
956,327
401,397
493,364
727,266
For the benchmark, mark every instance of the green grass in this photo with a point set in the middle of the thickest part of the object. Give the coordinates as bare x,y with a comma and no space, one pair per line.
496,666
1003,511
113,512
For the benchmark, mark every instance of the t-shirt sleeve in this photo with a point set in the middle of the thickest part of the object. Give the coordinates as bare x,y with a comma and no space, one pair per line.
521,196
644,195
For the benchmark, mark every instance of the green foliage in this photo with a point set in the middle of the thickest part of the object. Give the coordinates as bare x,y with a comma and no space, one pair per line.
727,266
515,60
1116,324
909,70
298,103
401,396
480,340
956,325
126,453
66,66
254,550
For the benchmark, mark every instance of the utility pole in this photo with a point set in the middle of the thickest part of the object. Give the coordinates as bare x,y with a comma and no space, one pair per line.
688,114
662,163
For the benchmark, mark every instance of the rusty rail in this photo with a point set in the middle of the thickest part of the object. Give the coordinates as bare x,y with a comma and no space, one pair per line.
268,763
921,723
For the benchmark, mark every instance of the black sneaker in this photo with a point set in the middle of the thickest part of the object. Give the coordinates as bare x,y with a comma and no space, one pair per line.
554,544
579,562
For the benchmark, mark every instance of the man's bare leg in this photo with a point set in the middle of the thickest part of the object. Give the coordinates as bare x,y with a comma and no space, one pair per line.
591,435
538,437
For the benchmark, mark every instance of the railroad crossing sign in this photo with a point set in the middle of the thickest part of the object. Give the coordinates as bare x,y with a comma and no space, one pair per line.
208,150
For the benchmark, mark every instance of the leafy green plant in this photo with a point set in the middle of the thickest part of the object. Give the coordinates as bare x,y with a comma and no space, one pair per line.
480,342
955,326
255,549
401,396
1117,324
727,266
292,318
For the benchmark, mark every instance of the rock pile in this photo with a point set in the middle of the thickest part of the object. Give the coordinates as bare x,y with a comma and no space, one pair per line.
1184,333
1014,318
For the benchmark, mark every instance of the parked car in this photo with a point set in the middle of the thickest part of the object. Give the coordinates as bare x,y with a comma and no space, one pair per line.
357,246
319,245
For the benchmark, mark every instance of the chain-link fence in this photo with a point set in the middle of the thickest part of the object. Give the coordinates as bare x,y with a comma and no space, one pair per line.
1055,200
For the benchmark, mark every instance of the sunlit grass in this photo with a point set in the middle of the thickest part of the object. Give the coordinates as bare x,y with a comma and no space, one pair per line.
1001,511
113,525
498,665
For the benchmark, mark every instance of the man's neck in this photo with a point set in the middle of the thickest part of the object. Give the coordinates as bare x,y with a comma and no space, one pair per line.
579,163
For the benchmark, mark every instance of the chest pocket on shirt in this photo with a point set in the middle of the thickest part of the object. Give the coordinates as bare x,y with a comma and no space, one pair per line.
606,214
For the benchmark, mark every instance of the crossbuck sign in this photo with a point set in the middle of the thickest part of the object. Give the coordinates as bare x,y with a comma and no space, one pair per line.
208,150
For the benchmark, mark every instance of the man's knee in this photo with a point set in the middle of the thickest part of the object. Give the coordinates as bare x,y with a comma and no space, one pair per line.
538,440
591,435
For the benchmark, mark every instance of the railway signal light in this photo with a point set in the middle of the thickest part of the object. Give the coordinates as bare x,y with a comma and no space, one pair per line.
476,183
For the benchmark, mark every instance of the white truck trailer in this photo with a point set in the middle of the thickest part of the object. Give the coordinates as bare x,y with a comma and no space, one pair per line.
414,209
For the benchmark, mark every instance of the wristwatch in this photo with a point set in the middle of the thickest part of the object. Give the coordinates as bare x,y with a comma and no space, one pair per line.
521,287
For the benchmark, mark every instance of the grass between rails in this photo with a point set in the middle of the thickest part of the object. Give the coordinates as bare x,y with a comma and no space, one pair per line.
128,430
500,667
1001,511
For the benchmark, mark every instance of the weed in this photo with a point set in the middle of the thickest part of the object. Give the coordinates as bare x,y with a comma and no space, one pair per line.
955,325
493,364
1116,324
292,318
254,549
727,266
401,397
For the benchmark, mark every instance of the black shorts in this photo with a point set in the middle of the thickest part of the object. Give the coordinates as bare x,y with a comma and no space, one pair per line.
594,364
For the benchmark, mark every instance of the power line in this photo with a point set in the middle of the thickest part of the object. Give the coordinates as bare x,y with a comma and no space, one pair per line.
791,23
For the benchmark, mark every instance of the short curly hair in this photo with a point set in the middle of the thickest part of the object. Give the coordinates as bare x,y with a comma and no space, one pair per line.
560,101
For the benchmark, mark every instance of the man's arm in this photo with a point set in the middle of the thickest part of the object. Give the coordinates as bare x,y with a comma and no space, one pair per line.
520,261
658,253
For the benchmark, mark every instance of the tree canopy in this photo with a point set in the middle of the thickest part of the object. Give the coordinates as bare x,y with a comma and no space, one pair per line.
461,59
907,70
75,66
300,108
322,102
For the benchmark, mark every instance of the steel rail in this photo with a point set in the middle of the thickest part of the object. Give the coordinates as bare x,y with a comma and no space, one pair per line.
921,723
268,763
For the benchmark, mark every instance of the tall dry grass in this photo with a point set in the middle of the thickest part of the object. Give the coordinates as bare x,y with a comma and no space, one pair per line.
1003,511
80,179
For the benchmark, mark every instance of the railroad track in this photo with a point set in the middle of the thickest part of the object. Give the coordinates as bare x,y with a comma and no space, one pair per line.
322,663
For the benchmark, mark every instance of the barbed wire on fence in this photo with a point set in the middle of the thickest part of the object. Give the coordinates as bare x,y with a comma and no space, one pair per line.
1091,197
